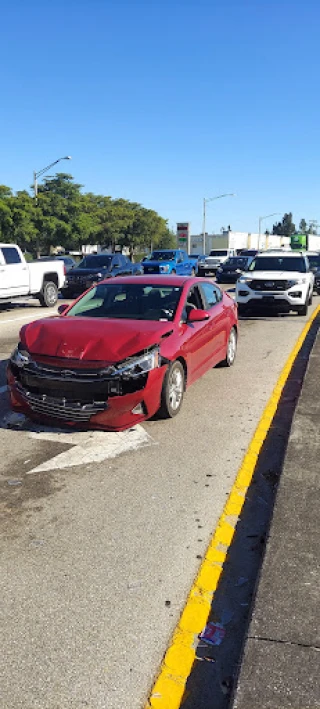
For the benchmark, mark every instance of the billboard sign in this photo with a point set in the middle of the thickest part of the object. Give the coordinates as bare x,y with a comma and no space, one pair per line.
183,235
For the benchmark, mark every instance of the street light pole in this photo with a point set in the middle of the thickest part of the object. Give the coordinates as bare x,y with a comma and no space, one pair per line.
42,172
260,220
210,199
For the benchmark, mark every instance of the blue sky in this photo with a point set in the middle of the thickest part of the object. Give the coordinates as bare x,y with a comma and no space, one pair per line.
167,102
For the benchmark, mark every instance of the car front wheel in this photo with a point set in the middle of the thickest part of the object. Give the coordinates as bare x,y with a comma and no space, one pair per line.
303,309
172,390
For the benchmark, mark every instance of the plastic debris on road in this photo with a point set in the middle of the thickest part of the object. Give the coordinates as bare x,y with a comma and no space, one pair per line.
213,634
14,482
241,581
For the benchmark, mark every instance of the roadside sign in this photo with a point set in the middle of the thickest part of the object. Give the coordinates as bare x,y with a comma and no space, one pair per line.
183,235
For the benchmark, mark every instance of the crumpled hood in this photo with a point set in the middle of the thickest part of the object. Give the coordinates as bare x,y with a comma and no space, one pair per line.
91,339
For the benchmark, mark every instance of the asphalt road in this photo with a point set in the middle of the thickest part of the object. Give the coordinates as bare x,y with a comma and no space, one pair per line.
98,553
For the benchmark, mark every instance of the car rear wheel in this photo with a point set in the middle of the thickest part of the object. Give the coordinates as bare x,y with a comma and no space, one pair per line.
49,294
231,349
172,390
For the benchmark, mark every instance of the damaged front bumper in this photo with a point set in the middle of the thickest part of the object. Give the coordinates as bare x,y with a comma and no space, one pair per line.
84,398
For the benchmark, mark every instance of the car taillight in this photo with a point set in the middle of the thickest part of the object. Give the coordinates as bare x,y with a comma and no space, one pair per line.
64,269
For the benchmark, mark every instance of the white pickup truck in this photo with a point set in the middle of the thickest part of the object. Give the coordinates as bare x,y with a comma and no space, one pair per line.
41,279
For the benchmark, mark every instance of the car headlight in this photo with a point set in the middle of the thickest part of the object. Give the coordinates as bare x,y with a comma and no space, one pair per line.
135,366
238,270
296,282
219,269
164,268
245,279
20,357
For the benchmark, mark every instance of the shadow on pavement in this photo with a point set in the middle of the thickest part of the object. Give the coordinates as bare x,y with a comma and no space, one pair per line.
215,669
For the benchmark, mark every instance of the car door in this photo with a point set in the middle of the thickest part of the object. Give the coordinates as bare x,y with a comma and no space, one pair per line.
14,273
218,324
125,266
196,347
116,265
180,263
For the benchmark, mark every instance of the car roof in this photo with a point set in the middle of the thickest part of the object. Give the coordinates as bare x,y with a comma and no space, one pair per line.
156,280
276,252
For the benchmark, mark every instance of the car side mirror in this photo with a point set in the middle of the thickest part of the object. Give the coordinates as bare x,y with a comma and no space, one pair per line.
62,308
197,315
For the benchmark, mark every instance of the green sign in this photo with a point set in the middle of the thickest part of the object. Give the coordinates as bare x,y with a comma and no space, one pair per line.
298,241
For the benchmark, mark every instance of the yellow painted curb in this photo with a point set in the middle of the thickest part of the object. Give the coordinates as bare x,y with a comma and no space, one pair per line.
169,687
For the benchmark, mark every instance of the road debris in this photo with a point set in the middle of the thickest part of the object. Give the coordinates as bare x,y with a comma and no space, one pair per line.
213,634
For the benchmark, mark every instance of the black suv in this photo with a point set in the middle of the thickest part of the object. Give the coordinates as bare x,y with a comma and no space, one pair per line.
96,267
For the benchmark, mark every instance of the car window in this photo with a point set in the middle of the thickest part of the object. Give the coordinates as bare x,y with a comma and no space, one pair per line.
212,294
10,255
279,263
193,301
94,261
129,301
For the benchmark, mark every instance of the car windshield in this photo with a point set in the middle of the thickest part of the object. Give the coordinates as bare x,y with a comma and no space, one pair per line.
314,261
218,252
162,256
129,301
278,263
236,262
94,261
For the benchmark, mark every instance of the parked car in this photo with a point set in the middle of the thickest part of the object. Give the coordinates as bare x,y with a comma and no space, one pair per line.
211,263
20,279
281,281
68,261
96,267
231,270
128,348
247,252
174,261
314,262
197,258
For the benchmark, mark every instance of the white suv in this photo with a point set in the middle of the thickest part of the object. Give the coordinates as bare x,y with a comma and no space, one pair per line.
281,281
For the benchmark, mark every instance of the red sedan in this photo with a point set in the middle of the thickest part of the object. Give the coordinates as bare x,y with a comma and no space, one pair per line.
126,349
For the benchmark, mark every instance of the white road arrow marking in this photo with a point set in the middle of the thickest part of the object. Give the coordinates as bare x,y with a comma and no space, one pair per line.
89,446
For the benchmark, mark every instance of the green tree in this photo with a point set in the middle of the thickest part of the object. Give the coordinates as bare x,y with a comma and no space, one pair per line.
303,227
286,227
5,213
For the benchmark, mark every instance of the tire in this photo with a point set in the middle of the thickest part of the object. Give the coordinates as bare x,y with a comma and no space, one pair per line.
193,272
200,273
170,402
242,309
310,297
303,309
231,349
173,271
49,295
138,273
